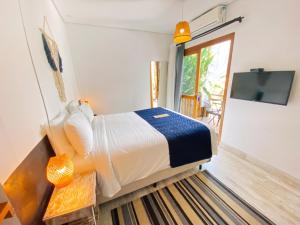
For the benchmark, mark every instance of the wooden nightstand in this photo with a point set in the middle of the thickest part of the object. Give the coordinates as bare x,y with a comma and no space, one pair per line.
6,211
73,202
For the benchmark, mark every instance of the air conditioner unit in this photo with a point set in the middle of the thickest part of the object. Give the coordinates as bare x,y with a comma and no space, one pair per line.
210,18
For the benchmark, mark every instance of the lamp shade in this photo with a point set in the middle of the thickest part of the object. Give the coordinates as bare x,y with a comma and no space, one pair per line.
84,101
182,33
60,170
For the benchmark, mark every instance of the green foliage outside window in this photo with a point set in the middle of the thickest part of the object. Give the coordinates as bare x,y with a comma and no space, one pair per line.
206,59
189,72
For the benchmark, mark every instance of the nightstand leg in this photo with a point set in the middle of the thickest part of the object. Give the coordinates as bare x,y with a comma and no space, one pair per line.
94,218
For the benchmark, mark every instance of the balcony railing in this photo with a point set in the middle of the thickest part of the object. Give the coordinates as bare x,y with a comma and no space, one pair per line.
189,105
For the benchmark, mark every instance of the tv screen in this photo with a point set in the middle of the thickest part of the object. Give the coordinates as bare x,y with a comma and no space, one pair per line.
269,87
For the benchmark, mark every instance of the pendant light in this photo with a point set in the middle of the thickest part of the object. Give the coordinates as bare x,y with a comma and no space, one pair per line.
182,32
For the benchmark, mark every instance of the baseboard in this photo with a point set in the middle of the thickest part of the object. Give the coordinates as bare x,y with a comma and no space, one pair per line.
263,165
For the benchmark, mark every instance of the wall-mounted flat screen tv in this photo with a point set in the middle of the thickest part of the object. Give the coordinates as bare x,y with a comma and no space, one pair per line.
268,87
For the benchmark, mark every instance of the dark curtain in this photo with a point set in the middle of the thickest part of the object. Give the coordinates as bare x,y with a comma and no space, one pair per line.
178,76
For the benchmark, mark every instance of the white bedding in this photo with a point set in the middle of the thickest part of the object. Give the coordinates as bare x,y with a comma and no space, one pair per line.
127,149
133,149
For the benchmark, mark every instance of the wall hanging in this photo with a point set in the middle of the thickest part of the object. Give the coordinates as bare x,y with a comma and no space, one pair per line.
54,59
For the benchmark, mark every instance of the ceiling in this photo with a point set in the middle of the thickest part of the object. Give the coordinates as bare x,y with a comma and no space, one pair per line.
146,15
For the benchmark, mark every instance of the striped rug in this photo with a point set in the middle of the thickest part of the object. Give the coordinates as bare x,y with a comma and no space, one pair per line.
199,199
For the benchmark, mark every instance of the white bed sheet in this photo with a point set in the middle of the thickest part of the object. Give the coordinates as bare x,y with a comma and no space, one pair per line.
133,150
127,149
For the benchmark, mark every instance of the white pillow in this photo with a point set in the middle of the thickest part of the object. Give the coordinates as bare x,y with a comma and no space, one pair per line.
80,133
57,136
87,111
73,106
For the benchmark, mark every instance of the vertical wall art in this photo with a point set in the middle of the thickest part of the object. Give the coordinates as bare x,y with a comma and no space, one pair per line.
54,59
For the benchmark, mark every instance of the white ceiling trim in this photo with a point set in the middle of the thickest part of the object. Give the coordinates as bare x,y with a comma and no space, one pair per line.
155,16
118,28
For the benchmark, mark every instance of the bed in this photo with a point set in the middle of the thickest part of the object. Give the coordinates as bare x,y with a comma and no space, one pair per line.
135,149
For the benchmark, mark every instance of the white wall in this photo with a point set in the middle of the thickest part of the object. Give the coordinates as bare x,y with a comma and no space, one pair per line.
163,83
269,38
113,65
34,12
22,112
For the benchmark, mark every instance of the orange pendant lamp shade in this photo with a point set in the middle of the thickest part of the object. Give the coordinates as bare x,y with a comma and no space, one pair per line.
182,33
60,170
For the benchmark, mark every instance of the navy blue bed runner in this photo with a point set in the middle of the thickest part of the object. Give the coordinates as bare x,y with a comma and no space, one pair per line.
189,141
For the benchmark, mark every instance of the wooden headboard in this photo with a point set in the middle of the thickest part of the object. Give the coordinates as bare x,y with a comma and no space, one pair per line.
27,187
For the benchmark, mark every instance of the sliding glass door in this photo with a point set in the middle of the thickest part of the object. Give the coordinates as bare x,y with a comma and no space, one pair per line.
205,79
189,84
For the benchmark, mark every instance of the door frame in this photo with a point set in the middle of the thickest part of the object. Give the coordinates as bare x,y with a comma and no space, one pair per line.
197,50
157,85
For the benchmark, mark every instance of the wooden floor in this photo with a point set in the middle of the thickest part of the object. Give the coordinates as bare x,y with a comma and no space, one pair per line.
275,196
